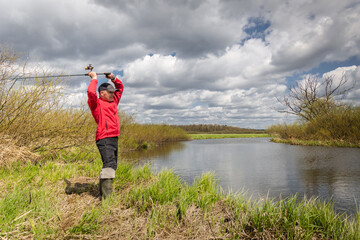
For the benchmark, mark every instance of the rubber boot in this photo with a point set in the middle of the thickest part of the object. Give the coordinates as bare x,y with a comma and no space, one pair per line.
105,187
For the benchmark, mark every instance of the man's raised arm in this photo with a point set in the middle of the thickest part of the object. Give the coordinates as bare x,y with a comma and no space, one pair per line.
118,85
91,91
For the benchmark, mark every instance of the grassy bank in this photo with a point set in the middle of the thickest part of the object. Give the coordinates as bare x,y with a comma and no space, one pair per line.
215,136
328,143
61,201
136,136
339,127
217,129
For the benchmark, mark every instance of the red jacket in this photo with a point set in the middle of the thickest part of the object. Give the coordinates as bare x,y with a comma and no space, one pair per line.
105,113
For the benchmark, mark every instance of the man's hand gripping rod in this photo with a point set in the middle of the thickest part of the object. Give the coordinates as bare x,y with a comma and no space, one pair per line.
90,68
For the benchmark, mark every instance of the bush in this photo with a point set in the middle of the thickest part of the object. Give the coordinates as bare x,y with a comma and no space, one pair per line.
287,131
341,124
31,113
136,136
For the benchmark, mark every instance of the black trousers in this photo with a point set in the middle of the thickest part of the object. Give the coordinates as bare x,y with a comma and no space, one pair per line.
108,148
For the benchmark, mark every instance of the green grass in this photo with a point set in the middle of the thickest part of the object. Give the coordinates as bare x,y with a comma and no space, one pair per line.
325,143
215,136
33,204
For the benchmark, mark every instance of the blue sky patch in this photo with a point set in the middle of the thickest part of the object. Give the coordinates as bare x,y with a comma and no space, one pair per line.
324,67
256,28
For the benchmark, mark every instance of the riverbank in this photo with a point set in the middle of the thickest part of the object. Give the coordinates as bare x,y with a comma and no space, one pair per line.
340,127
60,200
328,143
218,136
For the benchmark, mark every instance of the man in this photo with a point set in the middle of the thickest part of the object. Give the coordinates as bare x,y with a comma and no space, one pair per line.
105,113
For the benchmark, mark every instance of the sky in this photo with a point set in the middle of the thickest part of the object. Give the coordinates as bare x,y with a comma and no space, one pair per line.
190,61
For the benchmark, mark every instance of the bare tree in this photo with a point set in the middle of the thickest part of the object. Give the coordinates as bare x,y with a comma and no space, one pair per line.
314,96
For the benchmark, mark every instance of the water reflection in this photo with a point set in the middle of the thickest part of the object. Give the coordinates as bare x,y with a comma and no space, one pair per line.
331,172
264,168
162,152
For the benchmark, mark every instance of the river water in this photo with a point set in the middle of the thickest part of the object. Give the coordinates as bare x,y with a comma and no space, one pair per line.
262,168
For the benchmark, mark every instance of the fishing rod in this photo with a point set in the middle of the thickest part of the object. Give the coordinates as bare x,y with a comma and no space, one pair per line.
89,67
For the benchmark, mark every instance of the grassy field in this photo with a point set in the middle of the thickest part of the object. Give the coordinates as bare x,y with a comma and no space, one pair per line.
60,200
214,136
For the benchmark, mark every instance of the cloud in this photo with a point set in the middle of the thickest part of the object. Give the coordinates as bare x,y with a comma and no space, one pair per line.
188,61
303,34
351,75
239,67
190,28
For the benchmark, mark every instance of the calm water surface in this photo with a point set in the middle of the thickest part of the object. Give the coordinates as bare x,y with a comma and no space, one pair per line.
263,168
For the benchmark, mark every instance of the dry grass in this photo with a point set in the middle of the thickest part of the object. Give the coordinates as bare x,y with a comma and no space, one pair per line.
124,222
10,153
120,221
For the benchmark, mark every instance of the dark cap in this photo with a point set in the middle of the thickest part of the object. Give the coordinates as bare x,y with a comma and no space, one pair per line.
106,86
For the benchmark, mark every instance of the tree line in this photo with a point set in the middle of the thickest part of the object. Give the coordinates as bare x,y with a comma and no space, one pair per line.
217,129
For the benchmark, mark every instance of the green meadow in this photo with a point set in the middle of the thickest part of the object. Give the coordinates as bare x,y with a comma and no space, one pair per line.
216,136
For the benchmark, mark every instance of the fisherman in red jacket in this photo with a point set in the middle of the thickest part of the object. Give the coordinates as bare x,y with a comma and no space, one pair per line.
105,113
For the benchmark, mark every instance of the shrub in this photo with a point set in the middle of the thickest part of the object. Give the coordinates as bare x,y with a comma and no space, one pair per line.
31,111
135,136
341,124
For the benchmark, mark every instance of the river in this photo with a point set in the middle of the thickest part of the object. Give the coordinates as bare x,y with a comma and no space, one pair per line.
262,168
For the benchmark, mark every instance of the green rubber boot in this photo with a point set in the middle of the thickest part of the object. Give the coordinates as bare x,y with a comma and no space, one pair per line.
105,187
